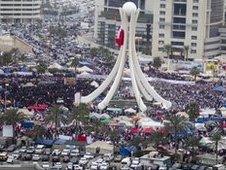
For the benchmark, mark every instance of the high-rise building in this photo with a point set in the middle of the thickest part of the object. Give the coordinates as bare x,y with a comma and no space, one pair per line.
192,23
107,22
20,10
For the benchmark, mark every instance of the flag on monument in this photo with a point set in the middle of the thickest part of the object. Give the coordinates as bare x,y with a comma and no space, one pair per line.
120,37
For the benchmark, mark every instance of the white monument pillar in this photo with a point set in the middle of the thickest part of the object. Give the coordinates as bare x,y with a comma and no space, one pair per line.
140,85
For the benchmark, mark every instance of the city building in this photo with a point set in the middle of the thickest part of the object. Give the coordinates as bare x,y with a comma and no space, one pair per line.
107,22
20,10
191,23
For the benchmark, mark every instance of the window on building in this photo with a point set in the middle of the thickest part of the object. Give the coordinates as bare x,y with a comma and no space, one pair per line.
162,6
195,1
178,34
194,28
180,9
162,19
162,12
161,26
194,14
161,35
193,44
195,7
193,51
194,21
194,37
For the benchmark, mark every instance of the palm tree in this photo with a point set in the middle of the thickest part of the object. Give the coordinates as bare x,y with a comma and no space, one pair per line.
37,132
186,50
192,110
11,117
157,62
158,138
75,62
175,124
216,138
195,72
80,113
192,143
168,50
56,115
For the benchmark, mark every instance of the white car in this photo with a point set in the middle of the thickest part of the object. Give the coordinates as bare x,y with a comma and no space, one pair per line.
56,152
99,161
77,167
23,149
135,161
45,165
36,158
93,167
70,166
65,152
83,161
126,161
74,152
16,154
108,157
10,159
104,166
88,156
58,165
39,149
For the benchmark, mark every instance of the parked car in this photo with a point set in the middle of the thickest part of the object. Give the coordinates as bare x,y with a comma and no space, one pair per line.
57,165
65,152
3,156
36,157
31,150
45,165
118,158
28,157
83,161
88,156
77,167
10,159
45,158
11,148
66,159
47,151
23,149
16,154
56,152
55,159
74,152
39,149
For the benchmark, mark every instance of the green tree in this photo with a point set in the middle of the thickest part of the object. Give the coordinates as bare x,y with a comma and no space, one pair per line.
192,143
186,51
41,68
192,110
158,138
11,117
195,72
175,124
168,50
37,132
75,62
80,113
57,116
157,62
216,138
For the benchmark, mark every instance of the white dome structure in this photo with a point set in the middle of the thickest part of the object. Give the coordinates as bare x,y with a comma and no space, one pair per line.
129,7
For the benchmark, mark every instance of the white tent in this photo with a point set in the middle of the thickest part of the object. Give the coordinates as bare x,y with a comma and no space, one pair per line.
207,111
105,148
223,111
48,74
148,122
1,72
130,110
84,74
23,73
29,84
25,112
84,69
94,84
56,66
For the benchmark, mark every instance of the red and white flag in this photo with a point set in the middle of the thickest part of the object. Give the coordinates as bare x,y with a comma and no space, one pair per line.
120,37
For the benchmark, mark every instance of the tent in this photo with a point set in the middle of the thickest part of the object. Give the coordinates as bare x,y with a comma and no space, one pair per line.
104,147
56,66
148,122
38,107
127,151
29,84
23,73
84,74
46,142
219,88
94,84
207,111
130,110
2,72
84,69
25,112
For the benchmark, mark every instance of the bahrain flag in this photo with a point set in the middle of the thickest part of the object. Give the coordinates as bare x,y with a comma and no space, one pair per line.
120,37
